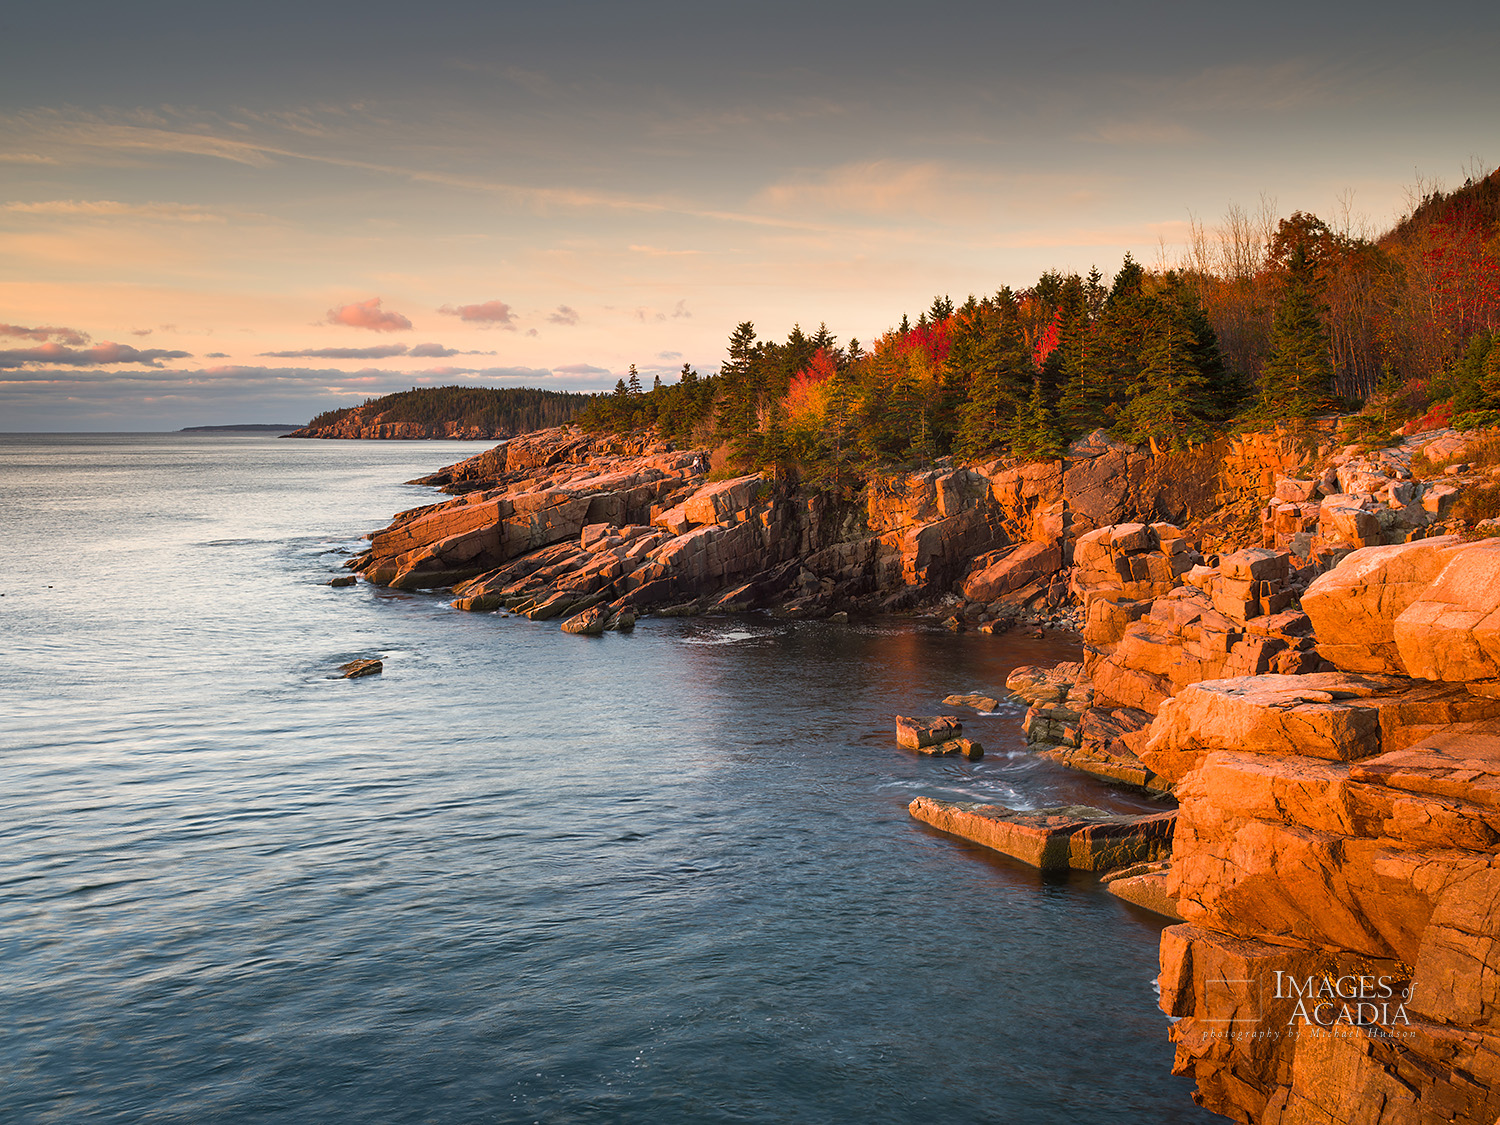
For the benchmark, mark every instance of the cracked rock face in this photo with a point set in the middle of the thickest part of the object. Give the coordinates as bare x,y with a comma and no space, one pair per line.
1337,862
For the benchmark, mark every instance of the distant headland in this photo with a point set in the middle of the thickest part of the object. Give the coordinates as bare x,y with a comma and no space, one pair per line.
242,428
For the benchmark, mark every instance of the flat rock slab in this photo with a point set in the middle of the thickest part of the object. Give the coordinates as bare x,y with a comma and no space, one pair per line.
914,733
357,668
1148,891
1076,837
978,702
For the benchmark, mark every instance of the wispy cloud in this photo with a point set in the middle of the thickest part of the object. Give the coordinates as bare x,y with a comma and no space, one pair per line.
90,208
880,187
26,158
534,373
368,314
488,312
69,129
563,315
1141,131
658,252
43,333
581,369
379,351
56,355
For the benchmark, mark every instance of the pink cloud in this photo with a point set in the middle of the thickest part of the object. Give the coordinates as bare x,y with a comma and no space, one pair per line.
44,333
369,314
490,312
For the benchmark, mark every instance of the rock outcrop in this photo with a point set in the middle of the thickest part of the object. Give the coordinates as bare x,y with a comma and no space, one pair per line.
1337,865
917,734
555,521
1325,711
1075,837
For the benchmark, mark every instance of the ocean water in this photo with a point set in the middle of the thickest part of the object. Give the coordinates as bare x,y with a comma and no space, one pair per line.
520,876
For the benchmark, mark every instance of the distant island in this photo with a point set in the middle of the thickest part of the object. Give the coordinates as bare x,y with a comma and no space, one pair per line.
455,413
242,428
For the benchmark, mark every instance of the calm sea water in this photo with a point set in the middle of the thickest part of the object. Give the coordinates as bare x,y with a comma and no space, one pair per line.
521,876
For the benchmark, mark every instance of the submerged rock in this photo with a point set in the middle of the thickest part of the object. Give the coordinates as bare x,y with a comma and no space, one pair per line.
981,703
342,580
357,668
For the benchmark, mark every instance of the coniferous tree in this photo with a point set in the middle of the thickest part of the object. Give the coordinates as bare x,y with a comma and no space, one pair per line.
1035,434
1298,373
999,376
740,400
1175,401
771,452
1085,397
633,384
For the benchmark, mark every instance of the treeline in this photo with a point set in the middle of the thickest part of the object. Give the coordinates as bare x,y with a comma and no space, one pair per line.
496,410
1263,321
677,410
1395,308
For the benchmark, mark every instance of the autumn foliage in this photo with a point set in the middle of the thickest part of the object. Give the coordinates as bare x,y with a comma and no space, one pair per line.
1261,320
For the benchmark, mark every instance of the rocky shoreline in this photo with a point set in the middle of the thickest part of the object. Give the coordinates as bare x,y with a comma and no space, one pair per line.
1297,643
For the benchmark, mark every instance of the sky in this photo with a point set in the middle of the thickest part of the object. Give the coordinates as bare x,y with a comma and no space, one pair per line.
215,214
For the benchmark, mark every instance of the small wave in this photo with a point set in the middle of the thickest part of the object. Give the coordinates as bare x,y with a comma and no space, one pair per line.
733,637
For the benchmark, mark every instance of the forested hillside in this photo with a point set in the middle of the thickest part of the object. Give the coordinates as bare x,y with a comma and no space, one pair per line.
449,411
1263,320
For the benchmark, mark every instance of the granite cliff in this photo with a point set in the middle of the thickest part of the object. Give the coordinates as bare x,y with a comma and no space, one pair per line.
1325,708
562,519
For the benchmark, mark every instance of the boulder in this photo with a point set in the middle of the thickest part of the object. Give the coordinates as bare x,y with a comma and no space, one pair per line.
589,623
1451,630
1014,570
1354,606
963,747
478,603
357,668
914,733
981,703
722,501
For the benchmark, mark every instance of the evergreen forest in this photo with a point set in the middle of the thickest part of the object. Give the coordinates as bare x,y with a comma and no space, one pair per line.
496,410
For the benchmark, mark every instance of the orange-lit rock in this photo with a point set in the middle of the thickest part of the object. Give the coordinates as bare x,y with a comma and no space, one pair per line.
1074,836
